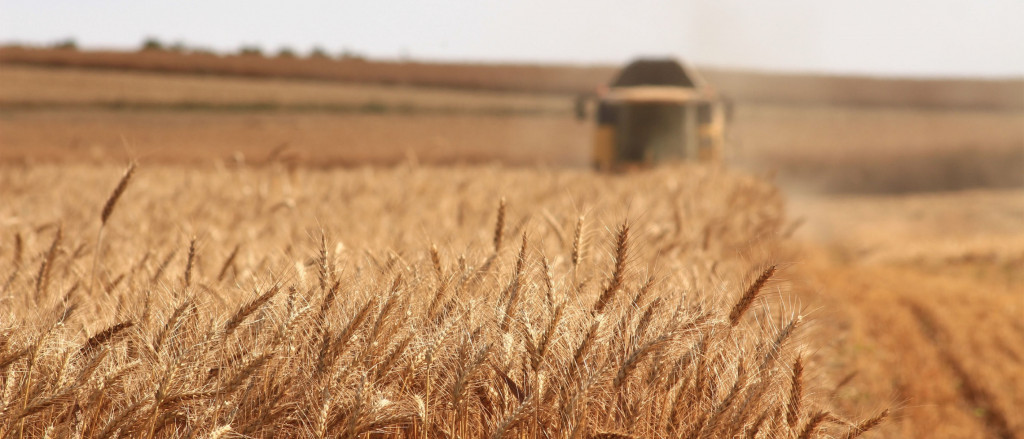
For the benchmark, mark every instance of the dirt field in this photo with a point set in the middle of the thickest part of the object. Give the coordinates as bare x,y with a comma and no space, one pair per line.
906,249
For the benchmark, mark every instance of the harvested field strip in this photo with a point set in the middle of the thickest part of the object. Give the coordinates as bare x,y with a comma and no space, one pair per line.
973,392
893,329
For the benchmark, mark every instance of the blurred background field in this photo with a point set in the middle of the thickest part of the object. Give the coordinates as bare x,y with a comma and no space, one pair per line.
833,134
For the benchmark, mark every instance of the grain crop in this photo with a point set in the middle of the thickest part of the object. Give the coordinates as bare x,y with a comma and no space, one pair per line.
404,302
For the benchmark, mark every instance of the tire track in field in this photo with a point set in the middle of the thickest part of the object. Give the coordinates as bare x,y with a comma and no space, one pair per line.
972,392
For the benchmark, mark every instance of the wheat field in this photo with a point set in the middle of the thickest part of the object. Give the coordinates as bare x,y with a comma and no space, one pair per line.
41,86
298,258
426,302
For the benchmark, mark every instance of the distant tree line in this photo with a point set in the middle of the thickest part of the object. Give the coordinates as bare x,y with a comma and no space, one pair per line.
153,44
66,44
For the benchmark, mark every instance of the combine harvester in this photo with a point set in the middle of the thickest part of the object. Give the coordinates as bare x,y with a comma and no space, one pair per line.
655,111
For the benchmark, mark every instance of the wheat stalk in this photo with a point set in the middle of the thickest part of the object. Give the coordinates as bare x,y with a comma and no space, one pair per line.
813,424
748,296
795,393
499,225
108,210
190,262
867,424
614,282
43,277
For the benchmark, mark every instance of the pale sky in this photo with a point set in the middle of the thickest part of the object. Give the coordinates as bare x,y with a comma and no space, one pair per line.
935,38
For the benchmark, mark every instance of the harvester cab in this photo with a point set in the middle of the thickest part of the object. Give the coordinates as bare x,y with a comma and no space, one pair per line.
656,110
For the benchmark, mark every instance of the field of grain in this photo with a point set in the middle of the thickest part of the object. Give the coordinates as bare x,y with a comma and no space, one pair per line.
310,139
400,303
41,87
75,115
296,258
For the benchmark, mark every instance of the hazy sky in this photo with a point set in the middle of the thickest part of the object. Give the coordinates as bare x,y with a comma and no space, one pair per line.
878,37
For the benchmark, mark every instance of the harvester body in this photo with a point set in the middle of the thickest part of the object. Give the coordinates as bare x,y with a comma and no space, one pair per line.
657,111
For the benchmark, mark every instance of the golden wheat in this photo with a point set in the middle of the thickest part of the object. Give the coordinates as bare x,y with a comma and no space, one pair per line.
413,321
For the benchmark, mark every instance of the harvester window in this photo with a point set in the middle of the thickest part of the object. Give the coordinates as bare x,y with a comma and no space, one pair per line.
607,114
